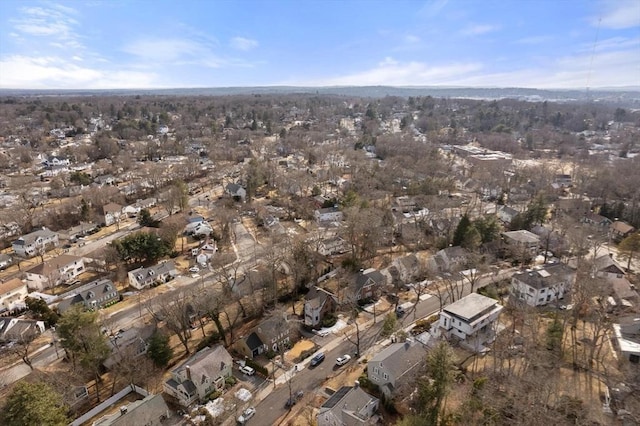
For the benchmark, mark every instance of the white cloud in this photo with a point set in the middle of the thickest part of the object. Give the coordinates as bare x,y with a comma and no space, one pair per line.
618,14
534,40
411,39
150,52
393,73
432,8
475,30
241,43
56,73
53,22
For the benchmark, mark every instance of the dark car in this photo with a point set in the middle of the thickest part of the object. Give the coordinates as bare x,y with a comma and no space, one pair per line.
400,311
295,398
317,359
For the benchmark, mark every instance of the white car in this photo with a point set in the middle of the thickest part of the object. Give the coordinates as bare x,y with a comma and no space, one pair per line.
343,360
247,370
246,415
194,269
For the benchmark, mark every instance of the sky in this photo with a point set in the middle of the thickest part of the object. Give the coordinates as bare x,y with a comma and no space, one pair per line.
199,43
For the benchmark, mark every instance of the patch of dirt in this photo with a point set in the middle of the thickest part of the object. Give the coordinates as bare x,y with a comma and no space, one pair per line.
298,348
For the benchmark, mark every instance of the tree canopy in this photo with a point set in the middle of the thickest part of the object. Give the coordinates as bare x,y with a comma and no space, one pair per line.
34,404
142,247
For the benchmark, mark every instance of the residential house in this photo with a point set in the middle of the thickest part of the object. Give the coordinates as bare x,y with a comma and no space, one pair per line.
349,406
236,191
157,274
332,246
605,266
627,338
74,232
521,243
149,411
17,329
471,320
620,230
328,214
623,292
538,287
111,213
205,252
318,302
408,267
405,204
563,180
12,294
449,259
203,373
5,261
596,220
506,214
57,161
62,269
128,344
199,228
393,366
95,295
35,243
104,180
272,334
368,284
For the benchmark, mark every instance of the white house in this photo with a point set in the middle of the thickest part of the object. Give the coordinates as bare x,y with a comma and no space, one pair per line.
328,214
198,376
333,245
146,277
204,253
12,294
59,270
521,242
605,266
471,320
627,334
35,243
111,213
538,287
236,191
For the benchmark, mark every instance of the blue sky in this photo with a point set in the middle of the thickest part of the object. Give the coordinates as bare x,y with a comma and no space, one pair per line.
199,43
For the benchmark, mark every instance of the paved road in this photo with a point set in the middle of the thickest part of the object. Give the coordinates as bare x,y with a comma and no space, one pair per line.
310,380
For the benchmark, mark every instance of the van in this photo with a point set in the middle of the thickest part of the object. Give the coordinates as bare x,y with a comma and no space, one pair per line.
317,359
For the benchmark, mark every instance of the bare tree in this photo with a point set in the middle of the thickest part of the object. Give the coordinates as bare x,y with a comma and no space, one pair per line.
174,312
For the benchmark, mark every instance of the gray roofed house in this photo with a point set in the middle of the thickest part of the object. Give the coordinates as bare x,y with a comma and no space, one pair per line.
506,213
5,261
17,329
521,242
38,241
201,374
236,191
395,365
131,343
349,406
449,258
146,277
102,293
150,411
606,266
627,334
328,214
368,284
318,302
537,287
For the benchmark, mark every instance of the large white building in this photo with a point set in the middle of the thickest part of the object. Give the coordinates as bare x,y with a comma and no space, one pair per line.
35,243
471,320
538,287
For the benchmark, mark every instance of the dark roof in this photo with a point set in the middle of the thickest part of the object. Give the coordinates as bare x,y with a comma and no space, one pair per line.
545,277
605,262
143,412
370,274
336,397
253,341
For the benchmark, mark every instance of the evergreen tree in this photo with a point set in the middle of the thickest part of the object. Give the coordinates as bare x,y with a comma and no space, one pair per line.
159,350
461,230
34,404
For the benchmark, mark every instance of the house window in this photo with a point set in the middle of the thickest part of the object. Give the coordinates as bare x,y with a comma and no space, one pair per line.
543,290
386,376
531,290
375,370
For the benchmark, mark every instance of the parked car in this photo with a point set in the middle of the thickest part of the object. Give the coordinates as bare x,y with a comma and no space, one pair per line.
295,398
246,415
247,370
400,311
317,359
343,360
194,269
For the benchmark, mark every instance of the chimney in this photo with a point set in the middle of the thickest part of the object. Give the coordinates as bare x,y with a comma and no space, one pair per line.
611,255
188,372
123,410
356,384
